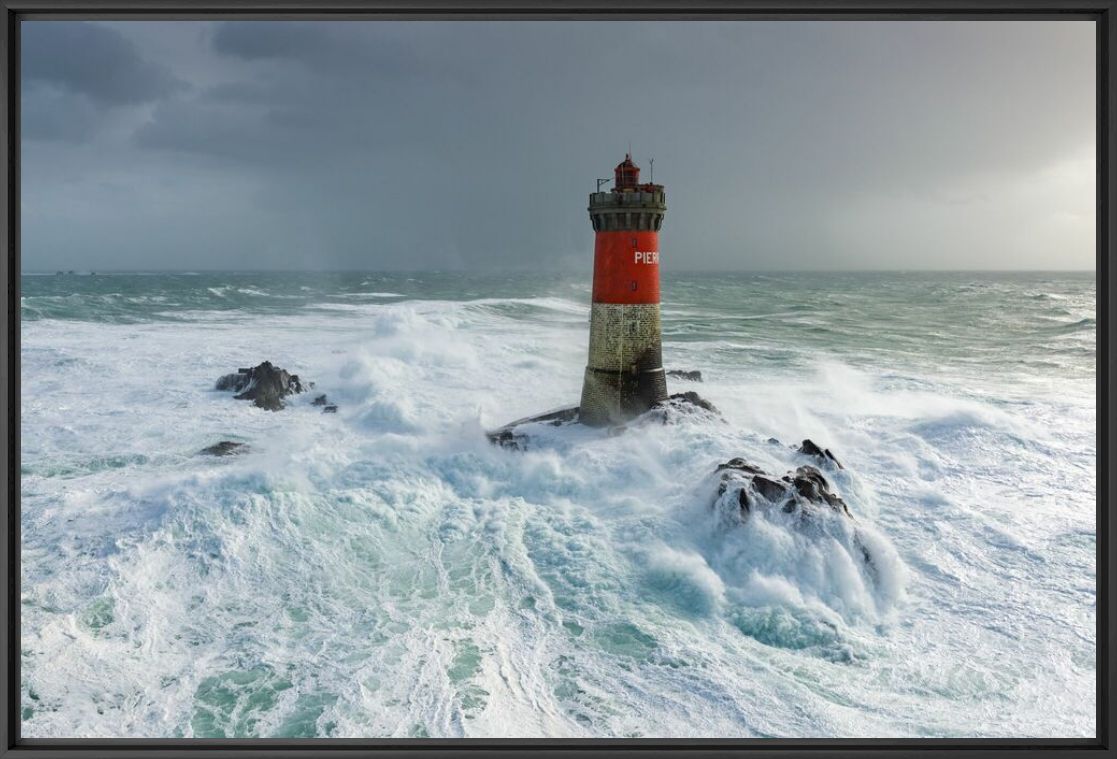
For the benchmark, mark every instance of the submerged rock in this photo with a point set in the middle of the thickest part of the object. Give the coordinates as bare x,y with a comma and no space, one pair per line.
692,375
265,385
324,402
224,448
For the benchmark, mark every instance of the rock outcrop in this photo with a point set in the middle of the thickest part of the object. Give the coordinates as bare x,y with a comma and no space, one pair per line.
511,435
224,448
265,385
692,375
691,398
806,490
516,435
678,407
809,448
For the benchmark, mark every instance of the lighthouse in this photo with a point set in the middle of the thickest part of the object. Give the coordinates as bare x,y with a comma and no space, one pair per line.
624,375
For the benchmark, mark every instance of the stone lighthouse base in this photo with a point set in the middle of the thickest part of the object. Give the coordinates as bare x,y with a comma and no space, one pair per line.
610,397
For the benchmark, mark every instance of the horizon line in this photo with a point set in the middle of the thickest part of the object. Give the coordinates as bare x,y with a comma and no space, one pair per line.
94,272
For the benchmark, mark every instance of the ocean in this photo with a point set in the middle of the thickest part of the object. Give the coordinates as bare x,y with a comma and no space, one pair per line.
386,571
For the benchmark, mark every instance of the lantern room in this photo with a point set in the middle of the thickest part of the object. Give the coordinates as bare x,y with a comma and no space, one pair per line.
626,175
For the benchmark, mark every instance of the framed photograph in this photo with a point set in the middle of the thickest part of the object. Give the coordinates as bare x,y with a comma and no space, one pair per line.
408,379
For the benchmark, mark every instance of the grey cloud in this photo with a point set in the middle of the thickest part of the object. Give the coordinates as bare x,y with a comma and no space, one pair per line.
57,116
782,144
93,60
339,48
272,39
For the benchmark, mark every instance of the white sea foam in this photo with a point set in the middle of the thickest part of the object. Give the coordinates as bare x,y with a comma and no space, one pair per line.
385,571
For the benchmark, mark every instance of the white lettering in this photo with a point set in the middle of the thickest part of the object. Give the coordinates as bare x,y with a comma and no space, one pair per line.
647,257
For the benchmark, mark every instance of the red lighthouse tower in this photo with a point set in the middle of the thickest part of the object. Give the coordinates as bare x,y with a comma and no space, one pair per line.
624,374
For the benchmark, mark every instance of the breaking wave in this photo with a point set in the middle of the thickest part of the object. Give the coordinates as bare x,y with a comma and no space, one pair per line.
385,571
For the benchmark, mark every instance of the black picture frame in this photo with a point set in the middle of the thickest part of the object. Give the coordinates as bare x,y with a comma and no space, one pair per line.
12,746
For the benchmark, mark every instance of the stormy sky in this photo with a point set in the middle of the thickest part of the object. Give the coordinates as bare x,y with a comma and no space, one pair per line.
473,145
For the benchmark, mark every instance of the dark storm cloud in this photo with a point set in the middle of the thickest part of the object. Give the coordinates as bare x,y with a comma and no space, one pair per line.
315,45
433,144
92,60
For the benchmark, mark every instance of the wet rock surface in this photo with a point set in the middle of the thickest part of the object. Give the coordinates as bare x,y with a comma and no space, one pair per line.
265,385
809,448
690,398
674,409
805,490
513,435
740,465
691,375
678,406
509,436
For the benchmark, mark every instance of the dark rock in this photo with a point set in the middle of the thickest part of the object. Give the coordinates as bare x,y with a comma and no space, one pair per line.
770,489
809,448
505,438
224,448
867,557
508,437
678,407
773,441
692,375
811,485
807,487
320,401
694,399
265,385
740,464
743,499
331,409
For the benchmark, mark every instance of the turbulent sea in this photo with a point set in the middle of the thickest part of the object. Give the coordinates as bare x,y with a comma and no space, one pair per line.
386,571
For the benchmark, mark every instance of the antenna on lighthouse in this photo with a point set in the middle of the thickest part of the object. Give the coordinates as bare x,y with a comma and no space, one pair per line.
651,170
